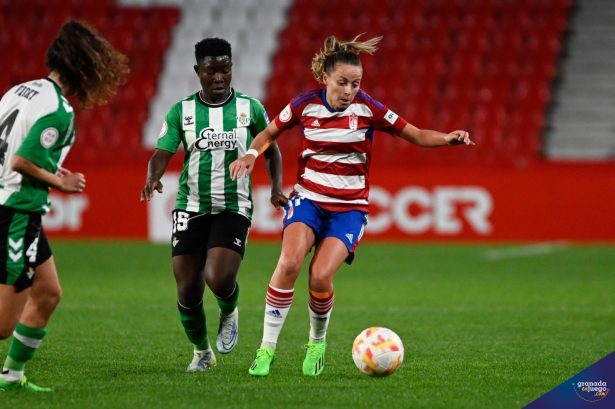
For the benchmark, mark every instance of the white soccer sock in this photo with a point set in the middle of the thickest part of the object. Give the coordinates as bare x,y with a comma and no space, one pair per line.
318,325
10,375
277,305
320,313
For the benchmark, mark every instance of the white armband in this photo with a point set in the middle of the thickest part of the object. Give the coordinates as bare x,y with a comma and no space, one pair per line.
252,152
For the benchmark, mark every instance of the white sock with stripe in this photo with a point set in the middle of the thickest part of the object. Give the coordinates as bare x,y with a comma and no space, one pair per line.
277,305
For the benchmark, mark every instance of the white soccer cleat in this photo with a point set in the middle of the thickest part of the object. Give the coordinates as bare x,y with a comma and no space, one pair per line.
228,332
202,361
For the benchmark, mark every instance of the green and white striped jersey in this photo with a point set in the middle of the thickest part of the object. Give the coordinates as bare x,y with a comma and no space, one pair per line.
213,136
37,123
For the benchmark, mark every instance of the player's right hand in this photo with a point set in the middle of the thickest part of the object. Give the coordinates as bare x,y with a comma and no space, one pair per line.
242,165
148,191
72,183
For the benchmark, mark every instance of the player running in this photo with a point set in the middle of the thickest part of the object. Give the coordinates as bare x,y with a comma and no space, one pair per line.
212,213
36,133
328,207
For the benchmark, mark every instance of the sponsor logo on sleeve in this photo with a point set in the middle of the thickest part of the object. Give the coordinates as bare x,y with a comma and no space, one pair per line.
164,129
391,117
285,114
49,136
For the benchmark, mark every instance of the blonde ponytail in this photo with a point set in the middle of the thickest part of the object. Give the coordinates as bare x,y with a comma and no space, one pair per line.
345,51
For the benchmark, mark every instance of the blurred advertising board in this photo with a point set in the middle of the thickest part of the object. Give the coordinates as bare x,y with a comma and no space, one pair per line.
571,202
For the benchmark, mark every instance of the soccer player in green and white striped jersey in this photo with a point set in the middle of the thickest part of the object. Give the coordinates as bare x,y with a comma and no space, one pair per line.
36,133
212,213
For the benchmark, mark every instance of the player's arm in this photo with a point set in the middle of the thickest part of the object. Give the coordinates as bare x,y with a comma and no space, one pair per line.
155,169
259,145
64,181
433,139
273,158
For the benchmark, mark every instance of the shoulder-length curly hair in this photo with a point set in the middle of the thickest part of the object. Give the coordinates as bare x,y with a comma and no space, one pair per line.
89,67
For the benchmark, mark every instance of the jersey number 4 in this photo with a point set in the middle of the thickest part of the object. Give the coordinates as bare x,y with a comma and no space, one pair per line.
7,125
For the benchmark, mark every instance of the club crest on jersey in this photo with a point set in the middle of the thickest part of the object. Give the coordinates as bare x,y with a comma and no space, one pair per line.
243,119
290,212
210,139
353,122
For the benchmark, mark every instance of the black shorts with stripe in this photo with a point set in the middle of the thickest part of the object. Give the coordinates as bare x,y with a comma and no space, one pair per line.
23,247
198,232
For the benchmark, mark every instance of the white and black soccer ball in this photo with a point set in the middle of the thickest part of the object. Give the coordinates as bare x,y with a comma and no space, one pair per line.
378,351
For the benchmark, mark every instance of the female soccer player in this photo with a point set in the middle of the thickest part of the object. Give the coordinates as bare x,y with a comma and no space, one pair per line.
36,133
212,212
329,204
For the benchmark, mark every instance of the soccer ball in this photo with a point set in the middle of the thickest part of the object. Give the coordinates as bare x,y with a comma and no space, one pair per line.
377,351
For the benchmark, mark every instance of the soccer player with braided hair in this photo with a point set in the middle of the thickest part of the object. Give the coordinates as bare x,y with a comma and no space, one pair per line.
212,213
329,204
36,133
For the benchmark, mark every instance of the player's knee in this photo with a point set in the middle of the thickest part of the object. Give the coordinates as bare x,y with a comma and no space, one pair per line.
50,300
5,332
189,295
290,266
320,283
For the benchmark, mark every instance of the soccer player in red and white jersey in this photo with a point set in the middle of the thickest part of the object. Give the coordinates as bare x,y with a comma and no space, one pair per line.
328,207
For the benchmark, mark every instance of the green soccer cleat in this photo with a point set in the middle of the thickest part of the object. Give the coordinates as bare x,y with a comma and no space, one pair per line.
314,362
262,362
22,385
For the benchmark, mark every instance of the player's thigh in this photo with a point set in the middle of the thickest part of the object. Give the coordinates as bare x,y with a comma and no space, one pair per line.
348,228
229,231
225,251
191,231
46,286
23,246
187,268
45,295
297,240
303,220
329,256
12,304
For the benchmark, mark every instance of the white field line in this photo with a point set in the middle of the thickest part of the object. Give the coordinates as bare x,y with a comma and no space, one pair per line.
526,251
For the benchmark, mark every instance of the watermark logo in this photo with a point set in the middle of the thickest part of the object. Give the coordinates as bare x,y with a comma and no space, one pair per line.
591,391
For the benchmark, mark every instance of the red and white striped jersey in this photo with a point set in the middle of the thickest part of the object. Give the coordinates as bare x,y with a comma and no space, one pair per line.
334,164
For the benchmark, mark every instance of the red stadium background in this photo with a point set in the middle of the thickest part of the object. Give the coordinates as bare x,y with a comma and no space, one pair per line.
487,66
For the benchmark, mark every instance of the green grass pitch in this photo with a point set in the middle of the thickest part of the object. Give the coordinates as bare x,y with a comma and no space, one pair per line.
483,327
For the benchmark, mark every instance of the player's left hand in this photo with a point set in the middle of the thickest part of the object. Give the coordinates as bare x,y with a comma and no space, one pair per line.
243,165
62,172
458,138
278,200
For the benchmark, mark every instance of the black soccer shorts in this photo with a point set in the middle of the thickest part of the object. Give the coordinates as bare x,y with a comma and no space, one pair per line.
23,247
198,232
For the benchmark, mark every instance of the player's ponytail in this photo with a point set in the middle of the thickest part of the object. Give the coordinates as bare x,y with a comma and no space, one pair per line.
88,66
341,52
